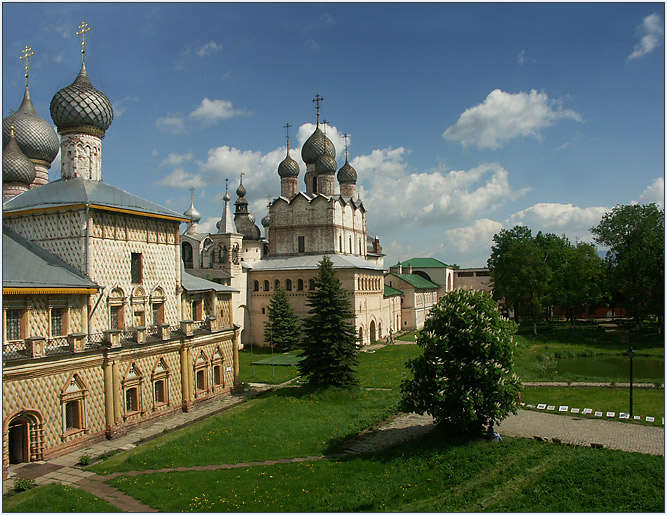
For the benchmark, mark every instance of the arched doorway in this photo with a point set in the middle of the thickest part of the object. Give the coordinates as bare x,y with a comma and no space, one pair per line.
372,331
25,438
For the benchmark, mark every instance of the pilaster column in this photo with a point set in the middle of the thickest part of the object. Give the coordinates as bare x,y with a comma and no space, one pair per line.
108,397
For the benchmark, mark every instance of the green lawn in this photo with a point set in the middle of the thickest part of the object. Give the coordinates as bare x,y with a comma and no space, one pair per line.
264,373
434,473
385,368
55,498
645,402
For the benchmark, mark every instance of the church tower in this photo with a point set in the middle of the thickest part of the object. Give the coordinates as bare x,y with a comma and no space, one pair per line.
288,169
347,177
82,115
319,154
34,136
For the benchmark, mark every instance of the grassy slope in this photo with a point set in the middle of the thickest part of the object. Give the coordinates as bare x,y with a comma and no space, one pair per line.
426,475
55,498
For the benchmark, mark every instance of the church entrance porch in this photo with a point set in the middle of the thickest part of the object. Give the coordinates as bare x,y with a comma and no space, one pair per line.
23,439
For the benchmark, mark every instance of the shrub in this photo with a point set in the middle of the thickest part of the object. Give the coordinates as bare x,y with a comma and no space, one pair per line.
84,460
21,484
465,376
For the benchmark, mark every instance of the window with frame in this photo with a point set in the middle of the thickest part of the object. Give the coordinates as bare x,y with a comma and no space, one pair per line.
217,375
201,371
135,268
160,379
115,317
217,363
132,400
159,392
158,313
299,285
13,324
57,315
132,391
73,416
256,286
72,399
266,285
288,284
302,244
201,380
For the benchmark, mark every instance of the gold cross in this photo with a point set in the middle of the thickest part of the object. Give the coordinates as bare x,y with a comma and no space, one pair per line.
318,100
27,52
83,28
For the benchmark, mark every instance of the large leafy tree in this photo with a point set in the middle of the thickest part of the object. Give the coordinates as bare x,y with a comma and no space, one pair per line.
581,281
520,272
329,335
282,328
465,377
635,237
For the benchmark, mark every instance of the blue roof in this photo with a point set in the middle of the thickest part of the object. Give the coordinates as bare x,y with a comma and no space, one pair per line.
79,191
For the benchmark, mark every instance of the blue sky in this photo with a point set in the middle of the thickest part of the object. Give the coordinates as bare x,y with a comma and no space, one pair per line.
463,118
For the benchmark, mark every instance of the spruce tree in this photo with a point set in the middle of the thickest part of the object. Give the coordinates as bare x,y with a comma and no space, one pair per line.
283,325
329,334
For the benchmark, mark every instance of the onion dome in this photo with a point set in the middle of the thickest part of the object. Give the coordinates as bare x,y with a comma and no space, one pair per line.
16,167
241,192
34,135
288,167
192,213
266,221
81,105
325,164
317,145
347,174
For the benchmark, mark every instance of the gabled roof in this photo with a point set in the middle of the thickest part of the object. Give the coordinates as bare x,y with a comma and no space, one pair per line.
311,262
26,266
390,292
81,191
423,263
417,281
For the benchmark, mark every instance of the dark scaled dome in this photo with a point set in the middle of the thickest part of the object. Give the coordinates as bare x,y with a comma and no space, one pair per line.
317,145
34,135
288,167
80,104
241,192
325,164
266,221
347,174
16,167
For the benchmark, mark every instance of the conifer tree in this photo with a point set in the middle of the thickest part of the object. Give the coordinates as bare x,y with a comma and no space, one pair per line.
283,325
329,335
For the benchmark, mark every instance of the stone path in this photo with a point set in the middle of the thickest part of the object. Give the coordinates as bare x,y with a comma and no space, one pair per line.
529,424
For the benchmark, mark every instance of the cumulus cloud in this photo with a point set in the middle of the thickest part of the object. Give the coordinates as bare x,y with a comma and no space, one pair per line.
176,159
172,124
209,48
655,193
478,236
120,106
559,218
505,116
210,111
179,178
651,34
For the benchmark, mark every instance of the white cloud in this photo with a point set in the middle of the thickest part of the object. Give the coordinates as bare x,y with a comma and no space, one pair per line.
306,130
176,159
209,48
211,111
120,106
173,124
559,219
655,193
478,236
521,57
651,32
505,116
179,178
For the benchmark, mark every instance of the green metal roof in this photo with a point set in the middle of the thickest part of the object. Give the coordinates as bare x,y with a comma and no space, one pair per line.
390,292
423,263
417,281
26,265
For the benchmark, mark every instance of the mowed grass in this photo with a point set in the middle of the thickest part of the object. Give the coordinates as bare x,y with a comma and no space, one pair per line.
645,402
264,373
55,498
385,368
434,473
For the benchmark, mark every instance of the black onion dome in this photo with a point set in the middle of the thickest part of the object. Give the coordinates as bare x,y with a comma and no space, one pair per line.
288,167
80,104
325,164
347,174
247,227
16,167
266,221
34,135
241,191
317,145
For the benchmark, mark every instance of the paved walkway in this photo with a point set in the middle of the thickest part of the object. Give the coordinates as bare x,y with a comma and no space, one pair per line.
530,424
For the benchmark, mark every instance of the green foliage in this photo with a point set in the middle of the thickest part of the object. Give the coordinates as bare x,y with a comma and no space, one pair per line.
465,376
282,327
84,460
329,335
635,237
56,498
21,484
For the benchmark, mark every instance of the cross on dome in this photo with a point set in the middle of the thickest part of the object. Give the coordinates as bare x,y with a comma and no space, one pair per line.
286,127
25,54
317,101
346,138
83,28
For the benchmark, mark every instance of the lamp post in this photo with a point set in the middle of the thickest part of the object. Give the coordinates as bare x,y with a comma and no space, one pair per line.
631,354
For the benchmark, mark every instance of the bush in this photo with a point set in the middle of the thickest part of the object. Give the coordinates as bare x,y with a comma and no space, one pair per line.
21,484
465,376
84,460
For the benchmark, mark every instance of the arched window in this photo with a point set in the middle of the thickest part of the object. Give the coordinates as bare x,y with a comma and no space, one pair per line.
187,255
299,285
288,284
256,286
276,284
266,285
311,284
